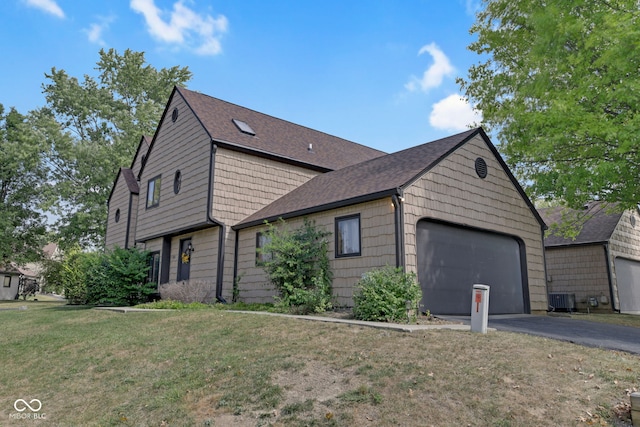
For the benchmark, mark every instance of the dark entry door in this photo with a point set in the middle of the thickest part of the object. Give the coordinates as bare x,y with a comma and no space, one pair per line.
184,260
451,259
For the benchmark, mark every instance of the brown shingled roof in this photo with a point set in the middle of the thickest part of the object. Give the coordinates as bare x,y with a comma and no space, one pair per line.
273,136
370,180
130,179
598,227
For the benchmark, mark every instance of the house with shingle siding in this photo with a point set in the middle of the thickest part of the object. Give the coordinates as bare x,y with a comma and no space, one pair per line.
449,210
10,276
599,268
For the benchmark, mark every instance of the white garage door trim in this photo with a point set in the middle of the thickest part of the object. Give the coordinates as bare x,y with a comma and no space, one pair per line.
628,283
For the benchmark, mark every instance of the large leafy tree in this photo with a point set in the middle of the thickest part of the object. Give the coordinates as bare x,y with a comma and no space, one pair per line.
560,88
22,175
100,122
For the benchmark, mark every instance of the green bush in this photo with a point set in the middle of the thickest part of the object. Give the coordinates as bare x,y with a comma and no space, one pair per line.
382,295
120,278
298,266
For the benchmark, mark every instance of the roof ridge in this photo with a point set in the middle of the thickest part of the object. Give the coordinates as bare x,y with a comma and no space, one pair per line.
278,118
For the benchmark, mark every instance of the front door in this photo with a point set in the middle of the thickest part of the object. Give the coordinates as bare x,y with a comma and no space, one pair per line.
184,260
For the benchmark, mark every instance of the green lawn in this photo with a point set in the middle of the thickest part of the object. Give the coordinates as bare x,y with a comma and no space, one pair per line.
218,368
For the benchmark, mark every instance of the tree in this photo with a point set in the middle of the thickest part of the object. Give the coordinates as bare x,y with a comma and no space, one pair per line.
561,88
297,263
100,122
22,175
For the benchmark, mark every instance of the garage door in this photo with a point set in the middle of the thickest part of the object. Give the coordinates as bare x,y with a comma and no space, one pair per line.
628,280
452,259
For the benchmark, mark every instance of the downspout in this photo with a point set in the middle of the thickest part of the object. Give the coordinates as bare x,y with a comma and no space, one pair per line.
610,276
397,200
126,242
223,228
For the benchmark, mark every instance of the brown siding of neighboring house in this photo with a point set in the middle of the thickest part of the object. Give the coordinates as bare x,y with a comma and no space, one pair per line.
377,250
181,145
578,270
244,184
624,243
116,231
453,192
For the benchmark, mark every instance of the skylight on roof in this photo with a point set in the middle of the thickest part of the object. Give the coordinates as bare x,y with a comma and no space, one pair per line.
243,127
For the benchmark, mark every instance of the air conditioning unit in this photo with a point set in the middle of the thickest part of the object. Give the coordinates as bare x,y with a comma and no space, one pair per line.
562,302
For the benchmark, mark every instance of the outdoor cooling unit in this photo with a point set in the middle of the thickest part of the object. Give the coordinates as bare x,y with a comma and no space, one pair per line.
562,302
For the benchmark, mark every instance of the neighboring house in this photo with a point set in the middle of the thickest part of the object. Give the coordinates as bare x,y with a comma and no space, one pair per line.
10,277
600,268
450,210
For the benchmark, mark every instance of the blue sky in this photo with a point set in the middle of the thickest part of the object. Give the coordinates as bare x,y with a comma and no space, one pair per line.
378,72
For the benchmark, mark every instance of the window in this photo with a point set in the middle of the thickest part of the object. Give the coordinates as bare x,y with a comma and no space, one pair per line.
154,267
348,236
117,218
153,192
261,241
7,282
177,181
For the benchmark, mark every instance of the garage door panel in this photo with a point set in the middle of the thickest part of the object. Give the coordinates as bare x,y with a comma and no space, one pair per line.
628,281
452,259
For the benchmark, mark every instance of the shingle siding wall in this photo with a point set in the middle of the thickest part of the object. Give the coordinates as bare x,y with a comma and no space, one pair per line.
377,247
579,270
182,145
203,259
624,243
116,231
244,184
453,192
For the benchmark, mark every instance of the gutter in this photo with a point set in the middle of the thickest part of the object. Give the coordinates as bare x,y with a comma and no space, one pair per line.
223,227
397,199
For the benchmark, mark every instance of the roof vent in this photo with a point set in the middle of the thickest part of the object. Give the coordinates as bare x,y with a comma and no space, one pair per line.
243,127
310,148
481,167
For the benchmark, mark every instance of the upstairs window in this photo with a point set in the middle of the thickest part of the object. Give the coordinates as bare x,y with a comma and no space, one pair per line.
348,236
153,192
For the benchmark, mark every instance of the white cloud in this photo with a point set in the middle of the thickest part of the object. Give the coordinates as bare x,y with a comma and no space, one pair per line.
95,30
434,75
183,27
472,6
49,6
454,113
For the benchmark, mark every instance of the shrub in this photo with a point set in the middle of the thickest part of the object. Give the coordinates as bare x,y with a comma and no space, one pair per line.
298,267
189,291
382,295
119,277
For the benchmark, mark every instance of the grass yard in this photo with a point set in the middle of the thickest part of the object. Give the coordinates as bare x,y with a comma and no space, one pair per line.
218,368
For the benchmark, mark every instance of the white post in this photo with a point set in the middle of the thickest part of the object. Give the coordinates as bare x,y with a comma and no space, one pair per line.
480,308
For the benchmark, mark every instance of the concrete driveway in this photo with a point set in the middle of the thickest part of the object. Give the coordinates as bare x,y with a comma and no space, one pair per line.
583,332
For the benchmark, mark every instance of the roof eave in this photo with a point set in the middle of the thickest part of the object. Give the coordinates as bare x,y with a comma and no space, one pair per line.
321,208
